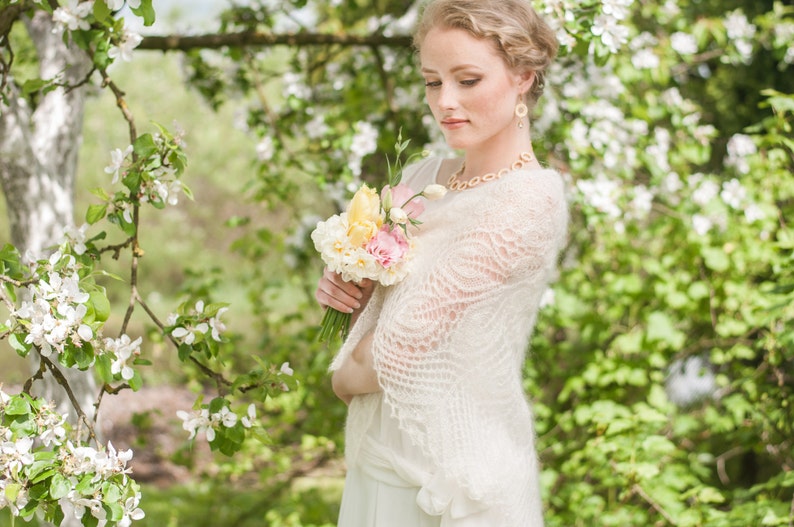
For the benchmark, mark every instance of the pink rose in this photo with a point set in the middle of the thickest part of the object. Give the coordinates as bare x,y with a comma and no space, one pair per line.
388,246
399,198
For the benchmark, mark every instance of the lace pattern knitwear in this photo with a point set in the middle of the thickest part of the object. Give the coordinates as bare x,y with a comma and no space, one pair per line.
450,339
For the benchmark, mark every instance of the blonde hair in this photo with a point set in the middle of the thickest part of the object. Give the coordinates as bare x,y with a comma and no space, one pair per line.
521,36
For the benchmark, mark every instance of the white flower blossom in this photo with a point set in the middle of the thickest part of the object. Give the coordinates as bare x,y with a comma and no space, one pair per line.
286,370
73,15
683,43
701,224
249,419
611,32
706,192
265,149
295,87
187,335
601,194
740,146
217,325
129,41
117,158
733,193
76,237
131,511
753,213
125,351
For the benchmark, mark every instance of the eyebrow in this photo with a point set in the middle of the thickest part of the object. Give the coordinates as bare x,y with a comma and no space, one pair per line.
453,70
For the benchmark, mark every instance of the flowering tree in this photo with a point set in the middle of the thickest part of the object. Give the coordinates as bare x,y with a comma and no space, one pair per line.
661,367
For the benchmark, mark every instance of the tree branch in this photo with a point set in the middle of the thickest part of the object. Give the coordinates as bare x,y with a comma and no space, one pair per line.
82,417
252,38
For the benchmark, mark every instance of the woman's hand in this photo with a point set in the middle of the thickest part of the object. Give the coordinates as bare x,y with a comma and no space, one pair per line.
345,297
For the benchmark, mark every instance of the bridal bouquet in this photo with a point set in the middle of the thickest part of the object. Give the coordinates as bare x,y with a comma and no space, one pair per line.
370,239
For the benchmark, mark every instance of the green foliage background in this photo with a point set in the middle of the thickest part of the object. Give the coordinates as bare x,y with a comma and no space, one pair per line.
637,293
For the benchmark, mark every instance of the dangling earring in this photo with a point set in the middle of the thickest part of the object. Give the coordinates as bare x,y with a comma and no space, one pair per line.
521,111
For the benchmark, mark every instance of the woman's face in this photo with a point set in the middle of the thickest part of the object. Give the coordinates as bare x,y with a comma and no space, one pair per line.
471,92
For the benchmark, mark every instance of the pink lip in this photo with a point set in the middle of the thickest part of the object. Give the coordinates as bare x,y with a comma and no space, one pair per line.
452,124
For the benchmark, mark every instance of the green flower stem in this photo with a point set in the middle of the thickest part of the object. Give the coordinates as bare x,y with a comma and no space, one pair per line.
334,324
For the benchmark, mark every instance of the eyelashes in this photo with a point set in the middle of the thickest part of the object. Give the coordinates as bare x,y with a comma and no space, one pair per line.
467,83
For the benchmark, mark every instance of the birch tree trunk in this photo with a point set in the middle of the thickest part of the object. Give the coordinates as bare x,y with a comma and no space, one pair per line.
39,144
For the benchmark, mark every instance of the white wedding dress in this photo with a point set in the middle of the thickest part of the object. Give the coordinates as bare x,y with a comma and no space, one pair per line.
449,442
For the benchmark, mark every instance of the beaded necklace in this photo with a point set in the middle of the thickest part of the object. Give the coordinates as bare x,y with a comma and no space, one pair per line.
454,184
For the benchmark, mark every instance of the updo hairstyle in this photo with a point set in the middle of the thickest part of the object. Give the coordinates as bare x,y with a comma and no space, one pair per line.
521,36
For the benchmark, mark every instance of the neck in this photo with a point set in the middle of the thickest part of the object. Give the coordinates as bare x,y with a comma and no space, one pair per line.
496,155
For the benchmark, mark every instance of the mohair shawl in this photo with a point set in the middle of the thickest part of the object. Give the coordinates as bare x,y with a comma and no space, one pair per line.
450,339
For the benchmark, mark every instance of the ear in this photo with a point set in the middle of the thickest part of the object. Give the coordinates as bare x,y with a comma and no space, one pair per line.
525,80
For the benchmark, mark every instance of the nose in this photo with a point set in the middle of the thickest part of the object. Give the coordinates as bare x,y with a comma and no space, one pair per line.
447,97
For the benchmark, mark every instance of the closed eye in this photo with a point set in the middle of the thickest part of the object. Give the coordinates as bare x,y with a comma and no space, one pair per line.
432,84
470,82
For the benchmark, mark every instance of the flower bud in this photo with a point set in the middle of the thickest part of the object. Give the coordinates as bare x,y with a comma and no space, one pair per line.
434,191
398,215
386,198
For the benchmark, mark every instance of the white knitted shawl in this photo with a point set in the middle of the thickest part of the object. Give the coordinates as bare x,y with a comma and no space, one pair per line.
450,340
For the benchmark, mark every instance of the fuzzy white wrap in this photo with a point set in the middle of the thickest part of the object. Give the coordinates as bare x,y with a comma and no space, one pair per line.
450,339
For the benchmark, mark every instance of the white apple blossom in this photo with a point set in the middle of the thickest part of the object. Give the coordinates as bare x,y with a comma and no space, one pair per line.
702,224
131,511
683,43
187,335
76,237
740,146
295,87
129,41
641,203
16,454
125,351
117,158
733,194
265,149
610,31
706,192
601,194
249,419
753,213
217,325
73,15
286,370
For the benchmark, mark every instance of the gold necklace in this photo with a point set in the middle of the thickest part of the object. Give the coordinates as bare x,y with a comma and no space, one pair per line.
454,184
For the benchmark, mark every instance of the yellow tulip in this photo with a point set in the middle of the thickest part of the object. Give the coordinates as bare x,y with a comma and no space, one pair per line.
363,216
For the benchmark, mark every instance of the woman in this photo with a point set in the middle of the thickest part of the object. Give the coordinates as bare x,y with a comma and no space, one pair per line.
439,432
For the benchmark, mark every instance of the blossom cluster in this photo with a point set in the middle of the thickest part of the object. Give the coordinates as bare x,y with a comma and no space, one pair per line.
79,478
192,327
55,308
204,422
62,320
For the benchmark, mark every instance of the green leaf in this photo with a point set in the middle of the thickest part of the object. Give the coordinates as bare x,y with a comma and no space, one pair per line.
102,13
136,383
17,406
101,305
145,146
19,345
102,367
146,11
95,213
59,486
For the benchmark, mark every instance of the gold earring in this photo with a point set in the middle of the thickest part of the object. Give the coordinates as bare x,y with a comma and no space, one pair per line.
521,111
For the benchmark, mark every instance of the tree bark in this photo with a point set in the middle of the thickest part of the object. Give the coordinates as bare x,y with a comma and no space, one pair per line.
39,144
